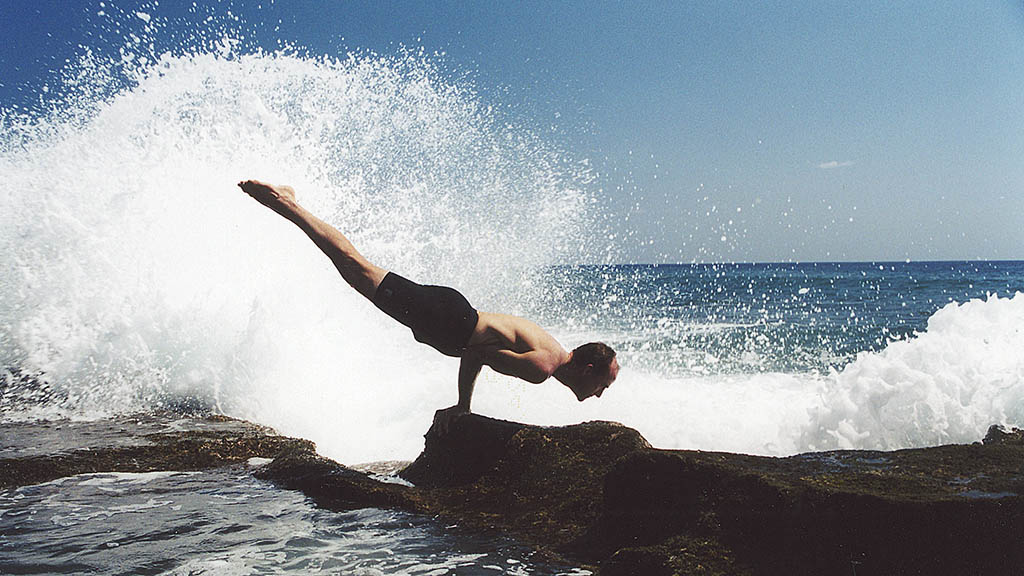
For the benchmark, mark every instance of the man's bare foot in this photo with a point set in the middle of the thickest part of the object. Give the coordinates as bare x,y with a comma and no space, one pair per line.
280,199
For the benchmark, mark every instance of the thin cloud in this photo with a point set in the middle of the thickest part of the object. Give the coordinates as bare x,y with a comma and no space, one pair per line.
835,164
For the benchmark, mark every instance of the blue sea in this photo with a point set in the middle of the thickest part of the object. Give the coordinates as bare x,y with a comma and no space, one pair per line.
777,359
790,317
137,279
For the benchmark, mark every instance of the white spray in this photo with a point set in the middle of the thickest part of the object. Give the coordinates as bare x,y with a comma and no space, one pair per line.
137,275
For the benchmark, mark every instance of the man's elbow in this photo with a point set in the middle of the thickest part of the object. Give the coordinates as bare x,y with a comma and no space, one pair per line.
536,376
544,368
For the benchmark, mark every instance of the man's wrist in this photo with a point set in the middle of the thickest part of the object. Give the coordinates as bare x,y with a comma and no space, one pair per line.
288,207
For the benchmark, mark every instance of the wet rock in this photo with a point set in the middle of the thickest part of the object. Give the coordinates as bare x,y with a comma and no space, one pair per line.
543,484
36,452
470,448
334,486
1001,435
951,509
598,495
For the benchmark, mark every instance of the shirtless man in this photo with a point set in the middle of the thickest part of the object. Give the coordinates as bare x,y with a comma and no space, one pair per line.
442,318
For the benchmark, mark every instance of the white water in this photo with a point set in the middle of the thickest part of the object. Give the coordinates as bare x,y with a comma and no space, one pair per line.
945,385
135,273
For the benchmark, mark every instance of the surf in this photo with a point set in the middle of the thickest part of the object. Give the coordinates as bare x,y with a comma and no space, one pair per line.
945,384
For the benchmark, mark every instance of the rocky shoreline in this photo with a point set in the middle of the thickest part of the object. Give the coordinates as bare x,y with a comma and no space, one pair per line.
598,495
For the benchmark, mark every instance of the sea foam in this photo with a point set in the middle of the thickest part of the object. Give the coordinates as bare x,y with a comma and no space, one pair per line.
946,385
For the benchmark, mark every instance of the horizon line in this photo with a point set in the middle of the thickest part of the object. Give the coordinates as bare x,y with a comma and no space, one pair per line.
749,262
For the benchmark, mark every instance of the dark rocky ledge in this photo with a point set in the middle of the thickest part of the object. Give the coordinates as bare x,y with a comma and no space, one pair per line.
36,452
598,495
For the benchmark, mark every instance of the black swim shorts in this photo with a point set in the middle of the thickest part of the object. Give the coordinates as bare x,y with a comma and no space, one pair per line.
437,315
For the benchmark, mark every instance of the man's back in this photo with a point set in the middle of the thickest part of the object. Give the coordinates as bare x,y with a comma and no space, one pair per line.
516,347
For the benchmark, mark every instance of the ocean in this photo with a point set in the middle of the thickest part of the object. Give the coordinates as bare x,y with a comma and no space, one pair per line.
777,359
136,278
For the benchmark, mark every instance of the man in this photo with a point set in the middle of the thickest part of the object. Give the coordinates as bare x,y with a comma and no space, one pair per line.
442,318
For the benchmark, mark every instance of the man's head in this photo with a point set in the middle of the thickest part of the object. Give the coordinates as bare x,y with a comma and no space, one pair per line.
594,368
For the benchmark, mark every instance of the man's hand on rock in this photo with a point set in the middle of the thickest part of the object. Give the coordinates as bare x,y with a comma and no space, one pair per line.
444,417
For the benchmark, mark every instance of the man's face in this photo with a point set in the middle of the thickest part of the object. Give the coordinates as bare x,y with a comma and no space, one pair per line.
594,382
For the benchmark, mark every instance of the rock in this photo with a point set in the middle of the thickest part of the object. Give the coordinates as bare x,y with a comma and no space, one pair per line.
951,509
598,495
543,484
35,452
471,447
334,486
41,451
1000,435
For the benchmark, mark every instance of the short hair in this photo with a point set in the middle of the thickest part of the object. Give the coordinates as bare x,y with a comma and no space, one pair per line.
597,353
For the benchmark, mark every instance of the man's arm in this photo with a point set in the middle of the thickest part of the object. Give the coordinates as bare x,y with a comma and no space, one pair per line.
534,366
469,369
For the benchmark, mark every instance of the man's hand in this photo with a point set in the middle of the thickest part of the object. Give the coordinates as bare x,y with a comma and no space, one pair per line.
444,417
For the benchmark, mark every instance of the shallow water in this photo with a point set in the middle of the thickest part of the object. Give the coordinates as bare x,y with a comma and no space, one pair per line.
227,522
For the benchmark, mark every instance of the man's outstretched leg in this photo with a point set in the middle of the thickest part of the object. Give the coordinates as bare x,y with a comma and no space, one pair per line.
359,272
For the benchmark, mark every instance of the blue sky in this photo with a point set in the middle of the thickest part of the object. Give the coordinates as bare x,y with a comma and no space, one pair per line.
723,131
